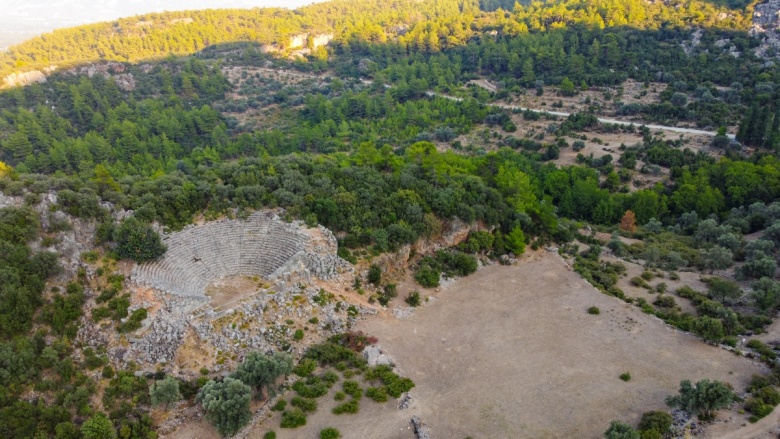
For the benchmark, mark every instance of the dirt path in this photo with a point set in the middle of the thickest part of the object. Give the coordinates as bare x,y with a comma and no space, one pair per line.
512,352
600,119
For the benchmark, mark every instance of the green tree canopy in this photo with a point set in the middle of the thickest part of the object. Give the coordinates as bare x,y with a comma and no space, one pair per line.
226,404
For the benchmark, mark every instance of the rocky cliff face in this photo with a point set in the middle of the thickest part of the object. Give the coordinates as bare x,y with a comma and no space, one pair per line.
766,25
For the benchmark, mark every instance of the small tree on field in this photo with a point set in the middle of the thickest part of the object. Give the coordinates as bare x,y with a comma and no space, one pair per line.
704,398
708,328
628,222
619,430
766,294
716,258
226,404
515,241
723,290
165,391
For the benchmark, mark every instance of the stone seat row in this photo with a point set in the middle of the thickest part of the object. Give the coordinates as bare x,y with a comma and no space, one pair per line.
199,255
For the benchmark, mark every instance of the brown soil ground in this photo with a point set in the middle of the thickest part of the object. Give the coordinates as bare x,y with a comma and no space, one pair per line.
512,352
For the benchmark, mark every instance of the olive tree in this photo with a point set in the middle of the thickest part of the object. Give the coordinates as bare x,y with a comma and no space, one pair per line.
226,404
704,398
165,391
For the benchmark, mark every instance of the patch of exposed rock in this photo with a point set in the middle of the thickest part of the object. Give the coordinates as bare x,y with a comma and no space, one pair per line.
766,25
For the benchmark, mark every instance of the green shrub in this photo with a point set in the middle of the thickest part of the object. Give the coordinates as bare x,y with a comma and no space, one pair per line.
625,376
329,433
305,367
279,406
305,404
378,394
298,336
413,299
665,302
594,310
655,421
293,418
330,378
765,351
638,282
351,407
353,389
339,396
647,275
314,390
270,435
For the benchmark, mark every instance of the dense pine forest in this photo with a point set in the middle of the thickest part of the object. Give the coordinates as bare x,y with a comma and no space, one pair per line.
370,144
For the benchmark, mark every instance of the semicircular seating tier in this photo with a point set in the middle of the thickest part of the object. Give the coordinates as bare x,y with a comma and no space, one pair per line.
261,245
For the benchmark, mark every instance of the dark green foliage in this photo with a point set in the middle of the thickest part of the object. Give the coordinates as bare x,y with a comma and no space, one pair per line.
293,418
330,433
449,262
657,421
134,321
710,329
98,427
625,376
619,430
394,384
307,405
261,371
351,407
305,367
378,394
704,398
165,391
279,406
594,310
723,290
227,404
764,350
413,299
270,435
313,389
138,241
353,389
375,275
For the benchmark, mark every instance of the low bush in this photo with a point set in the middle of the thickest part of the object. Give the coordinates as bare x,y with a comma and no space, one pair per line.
353,389
279,406
293,418
764,350
378,394
270,435
305,367
330,433
305,404
594,310
625,376
657,421
413,299
665,302
313,390
351,407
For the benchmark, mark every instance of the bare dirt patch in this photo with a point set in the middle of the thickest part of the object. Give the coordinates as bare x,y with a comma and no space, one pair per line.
232,289
512,352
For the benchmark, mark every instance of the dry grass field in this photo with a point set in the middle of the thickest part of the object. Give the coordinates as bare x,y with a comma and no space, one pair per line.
511,352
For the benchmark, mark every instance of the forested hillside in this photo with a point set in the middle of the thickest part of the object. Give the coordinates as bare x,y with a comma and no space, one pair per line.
383,137
422,26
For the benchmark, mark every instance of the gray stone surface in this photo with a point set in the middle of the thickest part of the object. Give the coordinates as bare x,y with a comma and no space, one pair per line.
261,245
